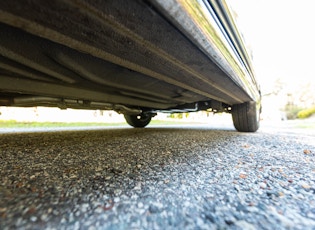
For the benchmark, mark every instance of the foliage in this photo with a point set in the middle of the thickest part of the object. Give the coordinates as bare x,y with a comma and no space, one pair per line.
305,113
292,111
179,115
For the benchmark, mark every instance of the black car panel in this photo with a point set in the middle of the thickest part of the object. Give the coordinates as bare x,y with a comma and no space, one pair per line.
130,56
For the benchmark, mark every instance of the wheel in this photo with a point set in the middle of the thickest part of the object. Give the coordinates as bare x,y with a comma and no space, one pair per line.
246,116
138,121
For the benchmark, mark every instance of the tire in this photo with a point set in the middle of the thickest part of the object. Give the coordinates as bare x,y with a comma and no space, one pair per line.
246,116
138,121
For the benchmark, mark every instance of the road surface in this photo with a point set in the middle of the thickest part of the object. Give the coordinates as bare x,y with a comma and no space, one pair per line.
191,177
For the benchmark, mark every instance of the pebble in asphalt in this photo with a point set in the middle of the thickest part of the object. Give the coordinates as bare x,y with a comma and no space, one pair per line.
157,178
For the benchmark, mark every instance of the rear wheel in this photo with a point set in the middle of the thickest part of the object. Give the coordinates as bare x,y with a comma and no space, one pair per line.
246,116
138,121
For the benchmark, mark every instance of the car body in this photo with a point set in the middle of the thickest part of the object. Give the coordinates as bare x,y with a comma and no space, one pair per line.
135,57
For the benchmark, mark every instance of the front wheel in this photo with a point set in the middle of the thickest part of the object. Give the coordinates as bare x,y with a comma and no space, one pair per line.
138,121
246,116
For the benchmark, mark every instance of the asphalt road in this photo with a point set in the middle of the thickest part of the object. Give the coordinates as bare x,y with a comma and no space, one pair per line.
157,178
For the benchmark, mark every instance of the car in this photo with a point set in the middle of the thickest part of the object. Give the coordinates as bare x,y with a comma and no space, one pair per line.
137,57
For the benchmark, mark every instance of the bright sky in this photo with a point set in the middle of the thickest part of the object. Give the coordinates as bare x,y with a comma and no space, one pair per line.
281,34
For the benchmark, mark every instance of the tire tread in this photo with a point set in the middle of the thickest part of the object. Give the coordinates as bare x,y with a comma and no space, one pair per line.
245,117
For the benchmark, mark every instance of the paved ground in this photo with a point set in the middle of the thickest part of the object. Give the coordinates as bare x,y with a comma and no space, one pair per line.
158,178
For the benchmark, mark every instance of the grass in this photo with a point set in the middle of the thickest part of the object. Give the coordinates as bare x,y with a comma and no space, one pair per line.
301,124
17,124
306,126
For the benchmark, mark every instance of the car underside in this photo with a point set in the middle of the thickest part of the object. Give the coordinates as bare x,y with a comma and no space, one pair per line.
135,57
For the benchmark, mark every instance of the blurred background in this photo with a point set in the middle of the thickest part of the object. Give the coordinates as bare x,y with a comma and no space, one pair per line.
281,35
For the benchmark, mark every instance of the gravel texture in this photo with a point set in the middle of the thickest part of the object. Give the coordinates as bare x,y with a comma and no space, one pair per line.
157,178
